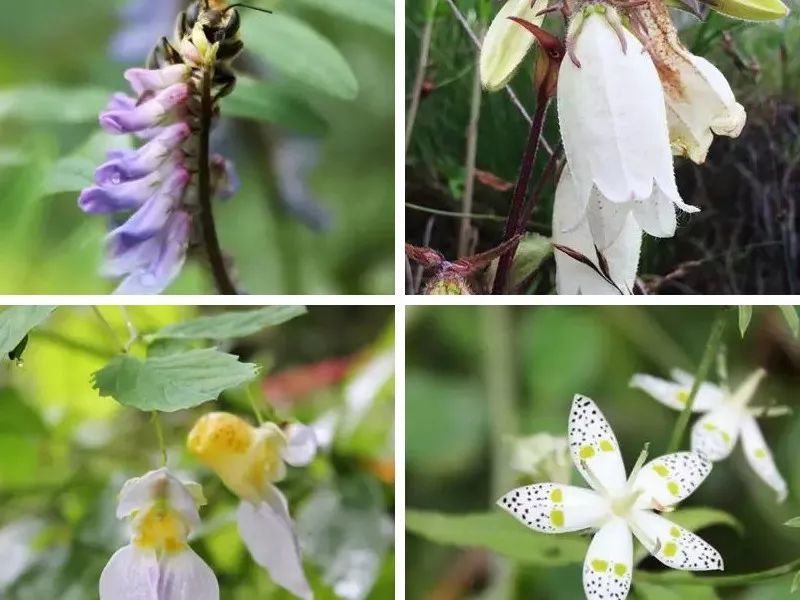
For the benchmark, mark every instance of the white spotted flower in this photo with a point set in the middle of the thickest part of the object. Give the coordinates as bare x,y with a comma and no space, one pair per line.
726,418
249,460
613,123
158,564
616,507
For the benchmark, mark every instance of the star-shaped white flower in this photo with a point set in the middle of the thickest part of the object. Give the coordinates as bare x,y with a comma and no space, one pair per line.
616,507
727,417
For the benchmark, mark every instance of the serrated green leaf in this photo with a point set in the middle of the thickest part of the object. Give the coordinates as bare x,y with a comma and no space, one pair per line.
790,314
298,52
76,171
795,522
272,103
230,324
374,13
46,103
745,314
17,321
499,533
173,382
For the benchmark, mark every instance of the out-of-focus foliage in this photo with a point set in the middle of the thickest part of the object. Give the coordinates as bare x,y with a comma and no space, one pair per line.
745,238
478,377
309,70
65,450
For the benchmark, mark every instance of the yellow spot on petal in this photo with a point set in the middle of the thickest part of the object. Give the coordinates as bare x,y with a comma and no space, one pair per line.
606,446
557,495
661,470
760,453
160,528
675,532
725,436
673,488
557,518
683,396
599,565
670,548
586,452
620,569
710,427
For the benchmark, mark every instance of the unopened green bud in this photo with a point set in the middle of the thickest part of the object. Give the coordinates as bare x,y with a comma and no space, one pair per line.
750,10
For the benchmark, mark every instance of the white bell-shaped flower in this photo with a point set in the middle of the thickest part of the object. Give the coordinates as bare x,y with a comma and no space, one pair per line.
506,43
158,564
727,417
249,460
700,102
616,507
621,256
614,126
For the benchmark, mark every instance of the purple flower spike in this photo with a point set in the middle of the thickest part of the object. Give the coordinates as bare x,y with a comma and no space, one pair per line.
127,165
146,115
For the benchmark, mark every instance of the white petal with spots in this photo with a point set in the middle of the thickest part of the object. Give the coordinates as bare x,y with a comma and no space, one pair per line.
760,458
675,394
594,446
609,562
714,435
673,545
669,479
555,508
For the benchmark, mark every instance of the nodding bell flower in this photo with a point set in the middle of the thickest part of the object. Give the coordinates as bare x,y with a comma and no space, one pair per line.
249,461
700,102
611,270
726,417
616,507
614,128
506,44
150,193
158,564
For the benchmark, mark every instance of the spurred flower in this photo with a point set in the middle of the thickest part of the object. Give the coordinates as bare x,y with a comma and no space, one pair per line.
616,507
158,564
249,461
614,128
726,418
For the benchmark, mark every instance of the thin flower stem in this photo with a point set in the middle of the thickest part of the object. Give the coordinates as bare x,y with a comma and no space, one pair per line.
422,65
213,251
712,347
465,230
107,326
254,405
156,418
516,213
669,577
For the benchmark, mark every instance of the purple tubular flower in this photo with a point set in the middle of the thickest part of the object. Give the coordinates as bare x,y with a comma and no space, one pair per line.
125,165
154,80
146,115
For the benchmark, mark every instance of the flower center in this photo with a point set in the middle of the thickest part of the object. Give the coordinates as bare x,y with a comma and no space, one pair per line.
621,505
161,529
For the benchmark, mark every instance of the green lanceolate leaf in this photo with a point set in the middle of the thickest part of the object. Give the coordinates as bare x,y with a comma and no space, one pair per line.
172,382
795,522
265,101
17,321
44,103
745,314
790,314
230,324
373,13
298,52
499,533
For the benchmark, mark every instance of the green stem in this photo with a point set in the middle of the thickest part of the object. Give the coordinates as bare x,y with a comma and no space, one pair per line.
156,418
254,405
712,347
669,577
110,329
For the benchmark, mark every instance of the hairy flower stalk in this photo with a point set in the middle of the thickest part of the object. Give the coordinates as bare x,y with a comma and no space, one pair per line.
158,564
249,461
616,507
159,194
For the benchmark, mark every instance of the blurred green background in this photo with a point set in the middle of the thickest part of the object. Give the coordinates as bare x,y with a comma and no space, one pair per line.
65,453
329,68
478,376
742,240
